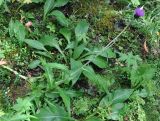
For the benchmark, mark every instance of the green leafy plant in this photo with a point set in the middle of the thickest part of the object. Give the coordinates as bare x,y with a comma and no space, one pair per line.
68,70
115,102
51,4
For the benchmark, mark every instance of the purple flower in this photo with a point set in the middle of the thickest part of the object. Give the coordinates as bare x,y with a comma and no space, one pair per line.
139,12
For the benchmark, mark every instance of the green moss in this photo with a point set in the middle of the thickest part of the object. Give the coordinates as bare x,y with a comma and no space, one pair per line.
106,20
84,8
100,15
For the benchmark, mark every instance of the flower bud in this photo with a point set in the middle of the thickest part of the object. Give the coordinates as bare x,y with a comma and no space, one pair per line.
139,12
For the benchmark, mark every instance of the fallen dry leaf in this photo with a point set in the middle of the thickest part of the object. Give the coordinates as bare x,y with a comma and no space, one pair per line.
2,62
145,47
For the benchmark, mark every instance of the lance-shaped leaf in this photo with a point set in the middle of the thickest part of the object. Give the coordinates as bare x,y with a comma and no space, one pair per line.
66,99
53,113
48,6
35,44
118,96
51,41
97,60
76,70
66,33
51,4
78,51
62,20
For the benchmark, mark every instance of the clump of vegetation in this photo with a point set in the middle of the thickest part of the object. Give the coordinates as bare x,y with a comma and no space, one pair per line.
66,60
87,8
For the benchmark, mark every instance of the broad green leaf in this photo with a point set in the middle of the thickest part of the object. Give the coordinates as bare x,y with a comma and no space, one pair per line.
107,100
53,113
58,66
48,6
116,107
59,3
35,44
66,33
48,74
90,74
98,61
51,4
66,99
60,18
118,96
75,64
81,30
17,29
76,70
78,51
34,64
51,41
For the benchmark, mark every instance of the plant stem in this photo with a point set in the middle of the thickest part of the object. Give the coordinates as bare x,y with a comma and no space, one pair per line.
15,72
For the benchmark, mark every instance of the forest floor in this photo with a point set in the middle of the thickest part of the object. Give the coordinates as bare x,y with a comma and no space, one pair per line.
80,60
